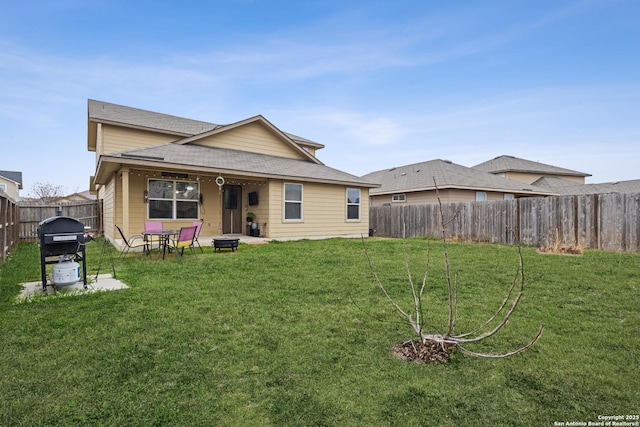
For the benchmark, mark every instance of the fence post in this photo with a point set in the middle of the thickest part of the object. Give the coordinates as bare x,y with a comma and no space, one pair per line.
9,220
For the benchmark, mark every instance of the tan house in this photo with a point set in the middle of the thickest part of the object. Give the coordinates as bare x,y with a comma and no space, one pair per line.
157,167
11,184
416,184
528,171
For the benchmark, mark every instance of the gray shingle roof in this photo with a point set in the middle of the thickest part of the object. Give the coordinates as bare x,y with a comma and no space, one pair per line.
13,176
241,162
420,176
513,164
100,111
564,187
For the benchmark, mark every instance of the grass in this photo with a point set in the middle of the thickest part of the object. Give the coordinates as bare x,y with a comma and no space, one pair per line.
297,333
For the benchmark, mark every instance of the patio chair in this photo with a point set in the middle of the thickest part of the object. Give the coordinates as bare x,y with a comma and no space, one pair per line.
198,225
186,239
135,241
154,228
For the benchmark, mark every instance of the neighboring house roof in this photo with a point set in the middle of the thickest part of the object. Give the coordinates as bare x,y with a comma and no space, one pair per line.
84,195
564,187
421,176
13,176
105,112
503,164
221,160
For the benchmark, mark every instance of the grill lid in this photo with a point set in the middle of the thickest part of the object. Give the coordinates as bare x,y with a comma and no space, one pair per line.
60,225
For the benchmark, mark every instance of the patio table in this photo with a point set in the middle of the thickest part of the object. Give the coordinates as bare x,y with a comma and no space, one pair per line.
163,240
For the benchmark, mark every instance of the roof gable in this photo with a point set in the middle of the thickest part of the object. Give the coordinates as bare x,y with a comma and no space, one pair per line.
13,176
504,163
255,134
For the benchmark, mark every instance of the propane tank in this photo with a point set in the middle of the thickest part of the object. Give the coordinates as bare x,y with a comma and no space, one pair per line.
65,272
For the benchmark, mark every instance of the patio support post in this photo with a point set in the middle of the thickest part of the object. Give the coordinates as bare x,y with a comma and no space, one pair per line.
125,201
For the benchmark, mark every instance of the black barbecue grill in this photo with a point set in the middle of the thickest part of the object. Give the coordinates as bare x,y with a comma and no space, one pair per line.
60,236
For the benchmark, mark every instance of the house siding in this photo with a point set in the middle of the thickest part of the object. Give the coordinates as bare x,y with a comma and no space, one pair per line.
530,178
116,139
106,193
254,138
137,206
324,212
12,188
310,150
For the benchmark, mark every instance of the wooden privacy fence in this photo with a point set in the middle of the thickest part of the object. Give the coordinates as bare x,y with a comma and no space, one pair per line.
89,213
608,222
9,225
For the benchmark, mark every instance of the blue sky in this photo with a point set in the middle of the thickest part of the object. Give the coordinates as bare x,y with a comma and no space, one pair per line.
379,83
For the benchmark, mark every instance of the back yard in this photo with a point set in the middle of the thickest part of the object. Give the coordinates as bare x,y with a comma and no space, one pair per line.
298,333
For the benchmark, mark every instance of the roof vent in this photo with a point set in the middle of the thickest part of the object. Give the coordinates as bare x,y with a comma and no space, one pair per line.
447,161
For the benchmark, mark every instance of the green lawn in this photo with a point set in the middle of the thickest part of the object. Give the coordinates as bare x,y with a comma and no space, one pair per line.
297,333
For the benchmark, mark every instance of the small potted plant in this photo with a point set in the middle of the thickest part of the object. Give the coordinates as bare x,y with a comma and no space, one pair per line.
251,225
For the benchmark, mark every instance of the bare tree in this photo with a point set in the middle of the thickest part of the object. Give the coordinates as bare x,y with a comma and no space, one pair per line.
46,191
450,339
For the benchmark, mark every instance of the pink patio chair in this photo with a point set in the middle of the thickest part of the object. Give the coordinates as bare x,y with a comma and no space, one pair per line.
186,239
153,227
198,225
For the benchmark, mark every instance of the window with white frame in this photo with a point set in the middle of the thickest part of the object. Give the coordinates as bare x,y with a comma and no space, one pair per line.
292,202
3,187
399,198
173,199
481,196
508,196
353,204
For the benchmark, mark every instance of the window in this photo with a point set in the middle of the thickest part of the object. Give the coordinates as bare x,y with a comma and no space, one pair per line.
508,196
399,198
3,187
292,202
481,196
353,204
173,199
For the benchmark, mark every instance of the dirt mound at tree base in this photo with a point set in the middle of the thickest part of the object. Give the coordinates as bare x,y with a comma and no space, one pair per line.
418,351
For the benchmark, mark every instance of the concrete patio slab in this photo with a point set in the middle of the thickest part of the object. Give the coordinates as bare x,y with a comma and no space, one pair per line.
104,282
